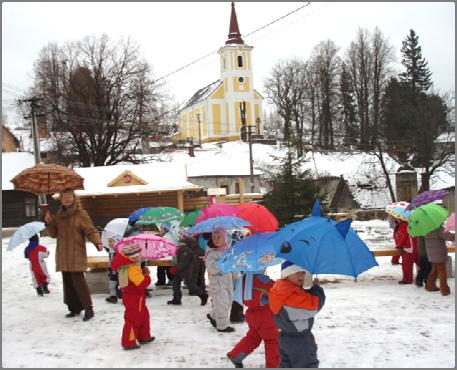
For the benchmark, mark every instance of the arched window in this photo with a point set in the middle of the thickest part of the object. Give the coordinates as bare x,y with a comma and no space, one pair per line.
224,64
240,61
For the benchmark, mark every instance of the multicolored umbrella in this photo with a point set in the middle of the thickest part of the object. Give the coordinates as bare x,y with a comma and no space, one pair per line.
228,222
323,246
217,210
401,204
426,218
400,212
160,215
51,178
426,197
24,233
261,219
153,247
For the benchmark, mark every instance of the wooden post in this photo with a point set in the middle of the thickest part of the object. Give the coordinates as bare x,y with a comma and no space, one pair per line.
180,195
241,182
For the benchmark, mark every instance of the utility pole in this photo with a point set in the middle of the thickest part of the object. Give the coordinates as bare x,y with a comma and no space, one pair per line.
243,121
36,139
199,130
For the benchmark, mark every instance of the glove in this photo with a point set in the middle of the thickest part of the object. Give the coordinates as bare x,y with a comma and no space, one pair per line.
173,270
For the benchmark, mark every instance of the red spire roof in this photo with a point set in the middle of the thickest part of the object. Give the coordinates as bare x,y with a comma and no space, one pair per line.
234,36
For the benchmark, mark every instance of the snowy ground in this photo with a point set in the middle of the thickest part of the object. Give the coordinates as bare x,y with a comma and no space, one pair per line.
374,322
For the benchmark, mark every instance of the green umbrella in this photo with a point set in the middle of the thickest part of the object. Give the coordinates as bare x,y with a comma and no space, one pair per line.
426,218
159,215
189,219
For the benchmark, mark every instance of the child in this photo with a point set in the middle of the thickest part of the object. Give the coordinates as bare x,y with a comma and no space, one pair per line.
259,318
221,285
294,309
114,290
36,254
410,255
133,281
185,258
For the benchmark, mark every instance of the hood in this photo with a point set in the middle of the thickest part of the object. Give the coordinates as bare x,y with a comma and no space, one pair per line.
285,293
121,260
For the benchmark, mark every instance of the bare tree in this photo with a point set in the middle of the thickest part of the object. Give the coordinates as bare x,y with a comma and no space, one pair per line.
100,99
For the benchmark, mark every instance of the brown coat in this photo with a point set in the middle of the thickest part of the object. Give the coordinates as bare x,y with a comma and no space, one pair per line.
435,244
71,233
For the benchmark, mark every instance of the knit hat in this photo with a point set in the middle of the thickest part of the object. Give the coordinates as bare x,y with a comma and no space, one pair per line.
223,231
34,238
289,268
131,250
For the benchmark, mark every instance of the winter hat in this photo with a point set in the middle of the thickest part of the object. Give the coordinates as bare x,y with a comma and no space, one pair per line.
131,250
34,238
289,268
223,231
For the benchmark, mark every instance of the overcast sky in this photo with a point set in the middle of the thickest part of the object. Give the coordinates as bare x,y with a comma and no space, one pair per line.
173,35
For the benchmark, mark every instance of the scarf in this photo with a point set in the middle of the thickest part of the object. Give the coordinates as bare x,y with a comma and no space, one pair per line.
248,287
122,273
30,248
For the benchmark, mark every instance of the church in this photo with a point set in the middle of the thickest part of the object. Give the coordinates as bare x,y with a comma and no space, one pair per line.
227,109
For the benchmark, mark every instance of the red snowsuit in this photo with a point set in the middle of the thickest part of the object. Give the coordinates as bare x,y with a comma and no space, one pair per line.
38,266
410,255
259,318
136,315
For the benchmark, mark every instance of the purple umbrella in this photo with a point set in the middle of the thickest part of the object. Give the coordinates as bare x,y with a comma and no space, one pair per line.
426,197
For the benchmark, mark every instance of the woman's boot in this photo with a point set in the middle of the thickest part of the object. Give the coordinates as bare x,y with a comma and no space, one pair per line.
88,313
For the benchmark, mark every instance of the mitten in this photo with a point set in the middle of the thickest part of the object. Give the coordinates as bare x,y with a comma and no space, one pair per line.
173,270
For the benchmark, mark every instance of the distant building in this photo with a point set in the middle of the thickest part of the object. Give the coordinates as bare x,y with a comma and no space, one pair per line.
10,143
214,113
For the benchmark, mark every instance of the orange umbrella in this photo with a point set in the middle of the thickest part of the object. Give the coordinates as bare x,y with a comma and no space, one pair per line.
51,178
259,217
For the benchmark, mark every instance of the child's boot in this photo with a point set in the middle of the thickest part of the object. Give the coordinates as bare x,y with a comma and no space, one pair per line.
174,301
39,291
204,298
111,299
44,286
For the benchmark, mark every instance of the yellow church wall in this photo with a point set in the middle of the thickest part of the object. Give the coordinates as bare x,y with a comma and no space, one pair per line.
241,87
216,108
218,94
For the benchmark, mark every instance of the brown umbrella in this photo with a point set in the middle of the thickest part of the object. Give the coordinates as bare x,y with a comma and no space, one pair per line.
49,178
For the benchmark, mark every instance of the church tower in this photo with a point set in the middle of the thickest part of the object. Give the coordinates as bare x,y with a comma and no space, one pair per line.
216,110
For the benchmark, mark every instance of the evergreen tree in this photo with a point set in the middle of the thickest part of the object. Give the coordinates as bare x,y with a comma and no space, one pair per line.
417,73
294,191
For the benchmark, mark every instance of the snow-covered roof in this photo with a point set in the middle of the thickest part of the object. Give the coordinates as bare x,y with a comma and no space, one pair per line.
203,93
160,176
12,164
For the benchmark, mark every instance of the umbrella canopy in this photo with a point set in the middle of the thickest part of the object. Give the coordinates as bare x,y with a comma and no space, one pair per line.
401,204
426,197
426,218
450,223
217,210
400,212
153,247
228,222
253,253
159,215
261,219
323,246
189,219
117,226
51,178
135,215
24,233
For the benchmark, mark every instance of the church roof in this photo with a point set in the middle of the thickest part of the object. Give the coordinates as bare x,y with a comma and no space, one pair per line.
234,36
203,93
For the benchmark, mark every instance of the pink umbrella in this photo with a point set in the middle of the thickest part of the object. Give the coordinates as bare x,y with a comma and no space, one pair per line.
153,247
450,223
217,210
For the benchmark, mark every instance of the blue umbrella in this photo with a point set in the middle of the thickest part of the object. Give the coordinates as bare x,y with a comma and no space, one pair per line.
323,246
24,233
228,222
253,253
135,215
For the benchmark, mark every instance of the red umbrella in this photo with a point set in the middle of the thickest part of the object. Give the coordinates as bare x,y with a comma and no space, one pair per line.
261,219
217,210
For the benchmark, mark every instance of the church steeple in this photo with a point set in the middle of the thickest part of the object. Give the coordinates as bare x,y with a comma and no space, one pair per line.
234,36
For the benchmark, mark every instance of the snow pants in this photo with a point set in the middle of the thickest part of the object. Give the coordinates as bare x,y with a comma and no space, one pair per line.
438,270
261,327
40,274
136,319
407,266
298,350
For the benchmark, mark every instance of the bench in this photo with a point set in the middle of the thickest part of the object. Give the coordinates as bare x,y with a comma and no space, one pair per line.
399,252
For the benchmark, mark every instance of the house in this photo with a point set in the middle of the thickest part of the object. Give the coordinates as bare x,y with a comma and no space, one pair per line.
222,110
10,143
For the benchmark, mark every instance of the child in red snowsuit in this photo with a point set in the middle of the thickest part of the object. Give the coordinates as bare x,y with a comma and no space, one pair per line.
36,254
259,318
133,281
410,254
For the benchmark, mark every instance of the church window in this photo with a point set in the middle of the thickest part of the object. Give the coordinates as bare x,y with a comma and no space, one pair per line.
240,61
240,80
224,66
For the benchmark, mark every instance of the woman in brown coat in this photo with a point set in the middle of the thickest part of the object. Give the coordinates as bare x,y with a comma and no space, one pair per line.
71,226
